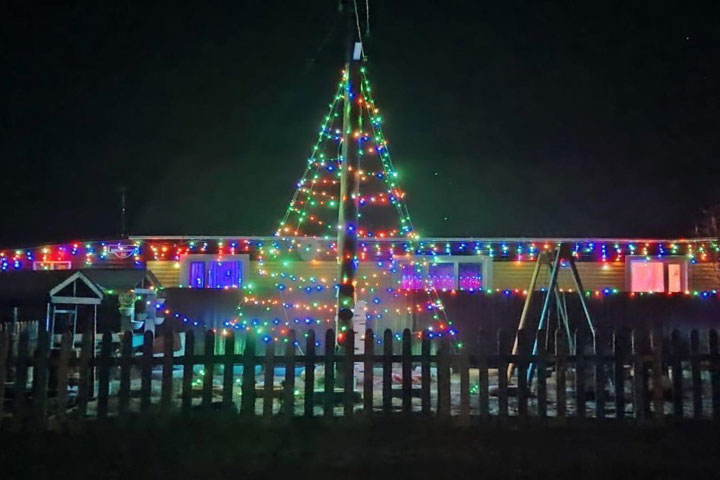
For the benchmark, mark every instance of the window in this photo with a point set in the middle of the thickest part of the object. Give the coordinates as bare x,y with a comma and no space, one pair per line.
224,274
470,276
211,271
668,274
52,265
411,277
197,274
466,273
442,276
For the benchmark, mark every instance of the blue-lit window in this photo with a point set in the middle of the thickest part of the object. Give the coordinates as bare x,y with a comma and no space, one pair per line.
197,274
224,274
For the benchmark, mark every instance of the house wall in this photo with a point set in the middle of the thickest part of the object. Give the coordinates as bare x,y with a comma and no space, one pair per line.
704,276
166,271
505,274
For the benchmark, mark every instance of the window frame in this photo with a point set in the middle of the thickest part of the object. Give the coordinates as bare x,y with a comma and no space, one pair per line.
242,259
484,261
53,264
665,260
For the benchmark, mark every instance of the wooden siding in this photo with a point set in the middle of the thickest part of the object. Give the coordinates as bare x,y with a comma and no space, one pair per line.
505,275
704,276
594,276
167,272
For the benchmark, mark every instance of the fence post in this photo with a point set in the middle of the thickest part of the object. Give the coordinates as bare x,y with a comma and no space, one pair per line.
502,364
126,358
657,375
269,380
639,382
104,374
695,373
387,371
289,386
309,372
541,364
522,368
4,345
62,375
349,377
21,374
84,368
166,387
561,349
40,380
580,397
425,373
619,343
188,365
247,400
676,369
600,377
714,372
368,365
146,371
228,373
483,380
406,372
329,383
463,364
443,381
209,369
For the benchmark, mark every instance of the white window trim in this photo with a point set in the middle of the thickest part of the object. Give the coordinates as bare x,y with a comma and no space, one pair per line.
668,259
484,260
244,260
38,265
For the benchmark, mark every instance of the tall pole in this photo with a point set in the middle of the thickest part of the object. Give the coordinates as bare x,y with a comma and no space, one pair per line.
123,212
349,180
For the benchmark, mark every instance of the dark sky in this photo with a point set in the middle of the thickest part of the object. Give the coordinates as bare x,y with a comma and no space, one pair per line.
504,118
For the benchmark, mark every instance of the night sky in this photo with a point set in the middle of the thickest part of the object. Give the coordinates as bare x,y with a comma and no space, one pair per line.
504,118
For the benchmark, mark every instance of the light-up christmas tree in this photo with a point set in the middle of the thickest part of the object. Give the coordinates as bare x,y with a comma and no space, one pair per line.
348,197
313,210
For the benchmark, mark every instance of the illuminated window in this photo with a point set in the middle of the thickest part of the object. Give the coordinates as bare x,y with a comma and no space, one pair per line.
52,265
470,276
212,271
224,274
466,273
412,277
442,276
197,274
667,274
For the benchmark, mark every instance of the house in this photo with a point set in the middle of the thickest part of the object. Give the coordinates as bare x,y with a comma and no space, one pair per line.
273,284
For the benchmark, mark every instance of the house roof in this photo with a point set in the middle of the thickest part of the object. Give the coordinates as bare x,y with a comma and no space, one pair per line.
37,287
121,278
437,239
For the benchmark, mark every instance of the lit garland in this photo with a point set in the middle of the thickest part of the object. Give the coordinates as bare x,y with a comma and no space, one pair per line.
72,256
495,249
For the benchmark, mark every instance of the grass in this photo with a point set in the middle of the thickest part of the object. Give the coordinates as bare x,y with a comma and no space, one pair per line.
218,447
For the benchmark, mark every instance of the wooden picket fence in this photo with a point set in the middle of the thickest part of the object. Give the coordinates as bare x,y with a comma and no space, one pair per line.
645,375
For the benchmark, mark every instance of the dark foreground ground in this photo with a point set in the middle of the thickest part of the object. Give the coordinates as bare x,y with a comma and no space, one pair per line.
215,448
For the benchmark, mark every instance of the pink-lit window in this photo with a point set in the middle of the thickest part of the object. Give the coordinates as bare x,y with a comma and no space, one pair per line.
658,275
412,277
442,275
469,276
647,276
674,277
